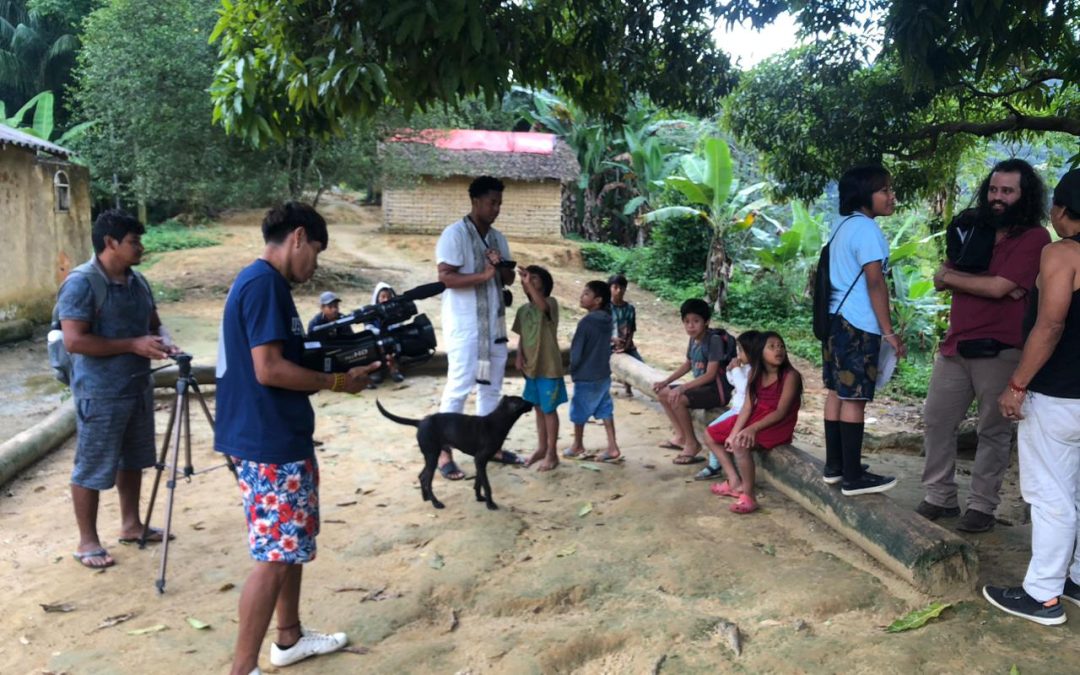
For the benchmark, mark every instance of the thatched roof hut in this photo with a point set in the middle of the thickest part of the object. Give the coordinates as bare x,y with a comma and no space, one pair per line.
537,169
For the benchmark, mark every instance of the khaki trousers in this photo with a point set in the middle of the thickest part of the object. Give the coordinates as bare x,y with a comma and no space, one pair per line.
954,384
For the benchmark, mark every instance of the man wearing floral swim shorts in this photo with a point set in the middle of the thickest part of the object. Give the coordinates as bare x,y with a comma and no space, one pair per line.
266,423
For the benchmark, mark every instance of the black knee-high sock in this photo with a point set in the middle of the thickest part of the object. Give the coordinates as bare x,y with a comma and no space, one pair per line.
834,456
851,437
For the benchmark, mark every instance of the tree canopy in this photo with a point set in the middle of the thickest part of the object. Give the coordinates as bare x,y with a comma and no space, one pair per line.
305,66
948,73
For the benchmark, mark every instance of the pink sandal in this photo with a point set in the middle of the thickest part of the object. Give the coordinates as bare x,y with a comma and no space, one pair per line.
746,504
724,490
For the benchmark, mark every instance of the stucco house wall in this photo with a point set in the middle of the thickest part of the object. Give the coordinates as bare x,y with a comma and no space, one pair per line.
41,242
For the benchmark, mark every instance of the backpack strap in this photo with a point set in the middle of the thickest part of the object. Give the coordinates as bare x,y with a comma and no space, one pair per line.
98,289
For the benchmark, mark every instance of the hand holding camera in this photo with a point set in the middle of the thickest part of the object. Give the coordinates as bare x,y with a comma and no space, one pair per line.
356,379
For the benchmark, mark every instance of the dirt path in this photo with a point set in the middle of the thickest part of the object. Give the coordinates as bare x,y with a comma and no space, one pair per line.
645,574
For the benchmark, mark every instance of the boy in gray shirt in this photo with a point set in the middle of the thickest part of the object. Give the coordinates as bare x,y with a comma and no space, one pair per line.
590,370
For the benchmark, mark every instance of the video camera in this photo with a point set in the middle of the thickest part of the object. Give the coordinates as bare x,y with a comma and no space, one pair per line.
328,350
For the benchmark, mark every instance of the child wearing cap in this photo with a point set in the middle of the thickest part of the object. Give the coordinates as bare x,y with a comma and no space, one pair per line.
329,310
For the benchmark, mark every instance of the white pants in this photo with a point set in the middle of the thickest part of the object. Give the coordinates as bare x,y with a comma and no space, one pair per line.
1049,440
461,362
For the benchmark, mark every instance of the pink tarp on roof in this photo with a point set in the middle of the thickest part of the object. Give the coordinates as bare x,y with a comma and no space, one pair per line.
488,141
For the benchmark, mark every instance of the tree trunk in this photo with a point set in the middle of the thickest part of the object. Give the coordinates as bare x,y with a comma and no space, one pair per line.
717,274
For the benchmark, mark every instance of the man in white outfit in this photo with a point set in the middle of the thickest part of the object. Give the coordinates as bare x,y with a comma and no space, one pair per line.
473,316
1044,394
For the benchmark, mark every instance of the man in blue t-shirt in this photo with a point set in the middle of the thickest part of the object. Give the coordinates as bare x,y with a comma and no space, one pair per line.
265,423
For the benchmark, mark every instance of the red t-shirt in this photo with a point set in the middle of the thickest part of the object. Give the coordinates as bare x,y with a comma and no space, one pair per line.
974,317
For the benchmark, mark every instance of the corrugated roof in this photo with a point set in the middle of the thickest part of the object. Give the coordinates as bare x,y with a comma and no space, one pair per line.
501,155
476,139
25,140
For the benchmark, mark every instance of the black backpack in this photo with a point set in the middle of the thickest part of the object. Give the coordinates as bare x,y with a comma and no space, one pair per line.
969,244
723,386
823,290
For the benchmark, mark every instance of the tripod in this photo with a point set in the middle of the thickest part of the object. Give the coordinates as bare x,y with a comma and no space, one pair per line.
179,424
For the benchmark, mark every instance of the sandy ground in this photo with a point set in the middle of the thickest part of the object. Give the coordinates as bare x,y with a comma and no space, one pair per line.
591,568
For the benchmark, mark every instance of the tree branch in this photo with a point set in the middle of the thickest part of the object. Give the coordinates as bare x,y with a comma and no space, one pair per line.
1034,79
1015,122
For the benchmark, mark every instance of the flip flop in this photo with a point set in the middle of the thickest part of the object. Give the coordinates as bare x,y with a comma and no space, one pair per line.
746,504
96,553
683,460
450,471
605,457
155,537
569,454
668,445
724,490
507,457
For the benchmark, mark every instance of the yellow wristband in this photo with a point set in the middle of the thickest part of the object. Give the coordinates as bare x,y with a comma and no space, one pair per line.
339,382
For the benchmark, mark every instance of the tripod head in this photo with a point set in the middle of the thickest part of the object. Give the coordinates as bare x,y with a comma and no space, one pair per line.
183,363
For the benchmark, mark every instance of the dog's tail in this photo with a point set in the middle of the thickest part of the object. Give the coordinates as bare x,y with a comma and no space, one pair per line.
394,418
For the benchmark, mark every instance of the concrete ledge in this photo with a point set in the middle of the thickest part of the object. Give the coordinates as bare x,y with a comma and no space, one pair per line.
927,556
15,330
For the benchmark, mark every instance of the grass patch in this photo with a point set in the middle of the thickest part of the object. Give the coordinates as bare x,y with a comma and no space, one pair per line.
163,293
173,235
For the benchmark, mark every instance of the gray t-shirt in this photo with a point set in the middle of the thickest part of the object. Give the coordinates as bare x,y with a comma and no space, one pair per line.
590,351
699,354
124,314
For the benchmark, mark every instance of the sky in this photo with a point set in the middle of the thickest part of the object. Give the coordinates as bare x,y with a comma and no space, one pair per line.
748,47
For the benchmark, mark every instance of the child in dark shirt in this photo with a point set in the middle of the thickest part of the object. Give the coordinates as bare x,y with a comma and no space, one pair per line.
590,370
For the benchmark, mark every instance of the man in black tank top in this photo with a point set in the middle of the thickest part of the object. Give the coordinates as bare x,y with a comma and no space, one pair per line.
1044,394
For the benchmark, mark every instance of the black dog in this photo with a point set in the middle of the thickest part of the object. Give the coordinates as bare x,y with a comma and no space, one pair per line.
480,437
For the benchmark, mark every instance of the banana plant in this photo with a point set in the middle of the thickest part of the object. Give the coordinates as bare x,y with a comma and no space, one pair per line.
42,124
709,185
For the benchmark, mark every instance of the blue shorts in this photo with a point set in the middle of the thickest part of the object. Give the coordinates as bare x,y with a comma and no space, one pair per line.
281,505
592,398
114,434
548,393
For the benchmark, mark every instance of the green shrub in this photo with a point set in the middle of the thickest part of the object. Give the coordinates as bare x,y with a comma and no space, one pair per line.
173,235
679,250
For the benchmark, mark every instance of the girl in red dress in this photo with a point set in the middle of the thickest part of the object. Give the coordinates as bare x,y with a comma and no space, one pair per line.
768,420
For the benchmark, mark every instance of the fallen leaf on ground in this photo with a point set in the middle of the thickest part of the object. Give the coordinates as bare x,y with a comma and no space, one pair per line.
226,587
110,621
196,624
335,522
198,526
569,550
24,640
346,503
437,562
149,629
355,649
350,589
589,466
917,618
59,607
453,621
585,510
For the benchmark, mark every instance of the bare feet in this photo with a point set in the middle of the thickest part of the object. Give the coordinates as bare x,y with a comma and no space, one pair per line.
547,464
536,457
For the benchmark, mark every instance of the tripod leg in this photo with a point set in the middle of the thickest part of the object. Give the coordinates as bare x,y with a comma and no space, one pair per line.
181,404
189,470
158,468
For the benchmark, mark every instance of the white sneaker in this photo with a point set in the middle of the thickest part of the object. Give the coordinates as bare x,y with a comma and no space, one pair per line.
311,643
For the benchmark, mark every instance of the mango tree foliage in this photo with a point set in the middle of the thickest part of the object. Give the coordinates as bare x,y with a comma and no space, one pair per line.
291,67
945,75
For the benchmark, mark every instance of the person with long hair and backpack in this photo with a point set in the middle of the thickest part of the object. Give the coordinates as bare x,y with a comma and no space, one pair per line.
859,320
